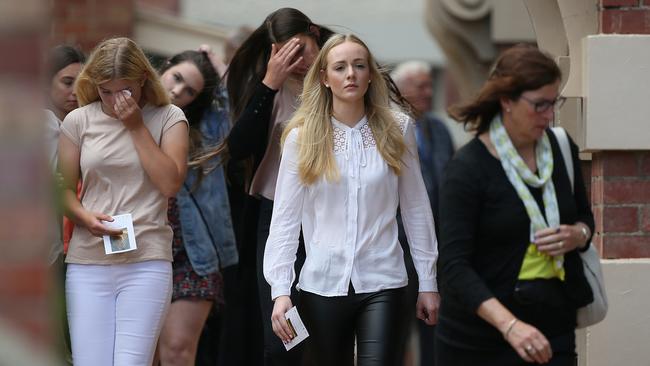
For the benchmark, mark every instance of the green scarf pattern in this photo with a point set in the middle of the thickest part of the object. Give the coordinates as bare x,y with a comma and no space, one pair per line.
536,264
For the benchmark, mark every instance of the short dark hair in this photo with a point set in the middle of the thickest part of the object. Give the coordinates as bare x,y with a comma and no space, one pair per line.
518,69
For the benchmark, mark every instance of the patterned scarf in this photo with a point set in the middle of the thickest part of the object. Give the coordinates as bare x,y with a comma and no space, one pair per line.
519,175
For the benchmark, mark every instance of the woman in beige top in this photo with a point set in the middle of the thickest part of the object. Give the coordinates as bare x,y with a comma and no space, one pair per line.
129,146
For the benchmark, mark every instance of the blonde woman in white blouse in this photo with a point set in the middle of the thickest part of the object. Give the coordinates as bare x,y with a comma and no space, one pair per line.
348,161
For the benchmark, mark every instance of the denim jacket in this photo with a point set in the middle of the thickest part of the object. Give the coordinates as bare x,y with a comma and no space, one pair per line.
204,210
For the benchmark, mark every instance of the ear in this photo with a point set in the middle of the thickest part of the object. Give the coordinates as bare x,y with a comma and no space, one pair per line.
145,76
315,30
323,78
506,104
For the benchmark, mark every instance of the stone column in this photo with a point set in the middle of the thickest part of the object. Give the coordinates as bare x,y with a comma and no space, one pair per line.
615,130
621,179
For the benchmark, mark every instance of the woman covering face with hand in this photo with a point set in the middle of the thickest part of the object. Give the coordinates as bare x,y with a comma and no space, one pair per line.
128,145
342,150
264,80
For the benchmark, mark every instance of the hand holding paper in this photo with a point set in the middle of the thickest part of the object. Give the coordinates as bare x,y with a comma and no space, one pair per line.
278,321
297,327
123,242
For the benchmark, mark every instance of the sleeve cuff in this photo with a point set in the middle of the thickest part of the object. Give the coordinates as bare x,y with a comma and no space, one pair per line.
428,285
267,89
282,290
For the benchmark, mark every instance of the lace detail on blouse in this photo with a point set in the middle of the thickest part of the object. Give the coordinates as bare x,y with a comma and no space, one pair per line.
340,142
367,138
402,120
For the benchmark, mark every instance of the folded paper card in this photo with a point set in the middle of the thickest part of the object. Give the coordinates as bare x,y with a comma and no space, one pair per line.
120,243
297,327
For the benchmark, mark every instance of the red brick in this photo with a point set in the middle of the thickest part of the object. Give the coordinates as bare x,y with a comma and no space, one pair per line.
620,219
597,241
632,246
586,168
626,191
74,28
616,164
597,164
597,187
24,280
619,2
645,218
25,51
634,21
77,13
644,163
86,23
114,16
598,218
169,6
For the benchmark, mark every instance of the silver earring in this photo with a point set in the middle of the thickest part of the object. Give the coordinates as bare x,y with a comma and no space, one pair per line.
327,86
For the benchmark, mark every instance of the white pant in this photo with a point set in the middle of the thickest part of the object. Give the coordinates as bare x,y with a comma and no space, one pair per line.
115,312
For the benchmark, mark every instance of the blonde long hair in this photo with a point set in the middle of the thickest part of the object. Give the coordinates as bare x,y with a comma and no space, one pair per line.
119,58
316,135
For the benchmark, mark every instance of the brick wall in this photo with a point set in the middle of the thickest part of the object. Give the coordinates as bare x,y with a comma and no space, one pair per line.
87,22
25,278
621,203
621,179
167,6
625,16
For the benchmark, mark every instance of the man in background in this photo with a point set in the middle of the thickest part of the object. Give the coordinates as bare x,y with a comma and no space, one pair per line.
435,148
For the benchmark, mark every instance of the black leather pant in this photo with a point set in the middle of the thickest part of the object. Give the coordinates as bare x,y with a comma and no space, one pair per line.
379,320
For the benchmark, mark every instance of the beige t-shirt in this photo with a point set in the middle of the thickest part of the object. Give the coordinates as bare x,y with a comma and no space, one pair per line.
114,182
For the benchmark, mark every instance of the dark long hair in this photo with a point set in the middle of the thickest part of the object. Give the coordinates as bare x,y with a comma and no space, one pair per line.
518,69
61,56
248,65
197,108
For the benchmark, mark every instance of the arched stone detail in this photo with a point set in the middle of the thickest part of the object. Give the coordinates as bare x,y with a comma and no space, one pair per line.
462,29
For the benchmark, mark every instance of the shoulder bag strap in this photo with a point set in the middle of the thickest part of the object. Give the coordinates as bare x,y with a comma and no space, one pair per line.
563,141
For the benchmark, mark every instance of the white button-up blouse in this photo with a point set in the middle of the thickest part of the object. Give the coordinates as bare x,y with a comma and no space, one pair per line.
349,226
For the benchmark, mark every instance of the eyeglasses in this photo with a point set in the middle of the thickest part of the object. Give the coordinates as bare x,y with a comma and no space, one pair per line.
541,106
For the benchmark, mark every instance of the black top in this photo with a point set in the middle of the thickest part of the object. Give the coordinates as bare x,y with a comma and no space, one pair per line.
248,139
484,234
250,132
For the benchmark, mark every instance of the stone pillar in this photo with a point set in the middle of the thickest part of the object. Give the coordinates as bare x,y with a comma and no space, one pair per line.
620,176
621,179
